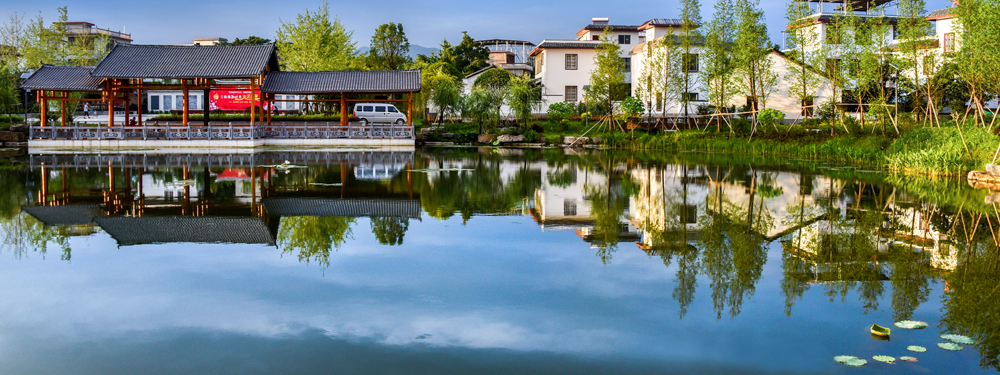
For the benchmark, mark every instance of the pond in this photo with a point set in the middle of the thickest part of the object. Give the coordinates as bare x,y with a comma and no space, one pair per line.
487,261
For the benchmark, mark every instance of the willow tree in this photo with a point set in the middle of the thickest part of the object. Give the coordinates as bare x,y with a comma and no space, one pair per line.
718,64
607,80
524,99
313,43
755,73
689,38
803,41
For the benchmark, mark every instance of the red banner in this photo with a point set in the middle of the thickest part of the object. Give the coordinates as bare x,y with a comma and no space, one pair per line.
231,100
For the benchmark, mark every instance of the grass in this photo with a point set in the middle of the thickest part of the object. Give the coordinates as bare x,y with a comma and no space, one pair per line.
921,151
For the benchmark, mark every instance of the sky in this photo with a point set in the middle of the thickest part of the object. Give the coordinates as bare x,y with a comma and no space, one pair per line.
426,22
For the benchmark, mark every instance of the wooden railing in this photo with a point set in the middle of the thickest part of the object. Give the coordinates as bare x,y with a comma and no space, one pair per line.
222,132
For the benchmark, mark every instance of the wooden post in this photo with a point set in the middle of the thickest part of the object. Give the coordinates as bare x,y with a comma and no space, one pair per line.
343,180
128,101
270,109
253,96
409,110
186,100
62,110
43,111
45,187
344,119
138,105
206,104
111,104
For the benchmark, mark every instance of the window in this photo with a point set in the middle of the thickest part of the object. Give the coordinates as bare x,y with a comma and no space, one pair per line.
368,108
572,61
807,107
392,109
571,94
690,214
168,103
623,228
691,96
193,102
179,102
154,102
624,39
569,207
751,102
627,64
380,108
949,42
691,63
595,37
539,63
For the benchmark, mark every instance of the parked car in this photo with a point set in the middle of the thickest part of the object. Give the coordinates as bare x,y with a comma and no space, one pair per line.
378,113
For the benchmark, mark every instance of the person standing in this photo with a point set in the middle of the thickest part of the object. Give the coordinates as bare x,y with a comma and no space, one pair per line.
86,110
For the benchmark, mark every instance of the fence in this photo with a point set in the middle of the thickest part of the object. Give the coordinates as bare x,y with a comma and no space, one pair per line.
222,132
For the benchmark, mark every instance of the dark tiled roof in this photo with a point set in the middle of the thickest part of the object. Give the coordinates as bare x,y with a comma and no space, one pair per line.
130,231
75,214
612,27
170,62
58,77
569,44
374,81
342,207
663,22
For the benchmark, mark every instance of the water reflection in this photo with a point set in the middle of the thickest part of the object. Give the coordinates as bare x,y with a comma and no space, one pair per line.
853,237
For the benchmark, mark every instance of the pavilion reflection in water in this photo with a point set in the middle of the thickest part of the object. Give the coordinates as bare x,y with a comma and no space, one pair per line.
225,198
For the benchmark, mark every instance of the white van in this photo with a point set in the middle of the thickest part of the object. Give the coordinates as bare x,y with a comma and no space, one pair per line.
378,113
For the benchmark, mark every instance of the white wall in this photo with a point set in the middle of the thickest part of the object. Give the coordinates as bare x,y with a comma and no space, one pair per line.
554,76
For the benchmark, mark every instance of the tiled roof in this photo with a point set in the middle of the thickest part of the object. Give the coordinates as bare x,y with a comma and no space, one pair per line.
663,22
612,27
172,62
940,13
141,230
58,77
74,214
286,207
374,81
564,44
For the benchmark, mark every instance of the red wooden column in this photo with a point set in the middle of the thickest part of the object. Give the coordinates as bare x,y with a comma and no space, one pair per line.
184,111
253,100
344,118
111,103
43,112
62,109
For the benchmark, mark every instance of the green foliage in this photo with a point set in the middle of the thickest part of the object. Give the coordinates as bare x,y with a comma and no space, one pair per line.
524,98
631,107
608,76
313,43
553,139
560,111
771,116
253,39
460,60
311,238
390,230
389,48
530,136
494,86
479,105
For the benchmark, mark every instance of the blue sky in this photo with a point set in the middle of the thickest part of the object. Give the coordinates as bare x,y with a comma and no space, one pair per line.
426,22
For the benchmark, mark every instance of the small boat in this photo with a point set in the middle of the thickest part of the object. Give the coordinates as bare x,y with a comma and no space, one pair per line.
878,330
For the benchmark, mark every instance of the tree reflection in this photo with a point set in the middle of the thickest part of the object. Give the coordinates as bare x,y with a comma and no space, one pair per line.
311,238
23,234
390,230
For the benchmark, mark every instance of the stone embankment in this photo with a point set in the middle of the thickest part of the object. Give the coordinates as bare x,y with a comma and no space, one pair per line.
13,138
988,179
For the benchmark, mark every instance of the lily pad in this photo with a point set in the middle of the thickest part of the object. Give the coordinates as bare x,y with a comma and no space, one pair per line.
850,360
959,339
910,324
950,346
908,358
916,348
884,358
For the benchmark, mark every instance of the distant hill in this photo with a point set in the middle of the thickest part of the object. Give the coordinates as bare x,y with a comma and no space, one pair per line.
414,50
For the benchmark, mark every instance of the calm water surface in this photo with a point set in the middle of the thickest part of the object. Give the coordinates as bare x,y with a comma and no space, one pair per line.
486,261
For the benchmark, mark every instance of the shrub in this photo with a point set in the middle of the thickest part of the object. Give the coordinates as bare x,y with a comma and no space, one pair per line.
561,111
771,116
530,136
554,139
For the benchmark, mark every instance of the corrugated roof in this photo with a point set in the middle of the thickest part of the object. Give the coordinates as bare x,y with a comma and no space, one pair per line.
564,44
664,22
172,62
59,77
323,207
613,27
372,81
141,230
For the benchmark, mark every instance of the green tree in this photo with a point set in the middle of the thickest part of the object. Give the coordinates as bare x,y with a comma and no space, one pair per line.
313,43
445,94
718,66
752,48
913,26
253,39
524,99
978,22
479,106
389,48
607,80
689,37
311,238
495,84
803,79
